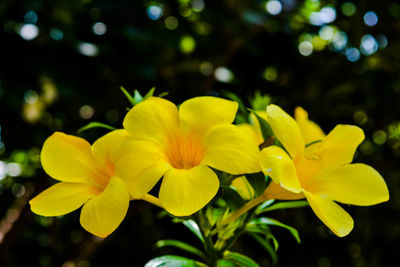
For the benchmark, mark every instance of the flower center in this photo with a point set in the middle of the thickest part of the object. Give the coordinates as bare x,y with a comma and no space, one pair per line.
184,152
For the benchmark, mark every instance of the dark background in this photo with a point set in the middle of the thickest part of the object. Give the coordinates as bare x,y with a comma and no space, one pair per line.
60,70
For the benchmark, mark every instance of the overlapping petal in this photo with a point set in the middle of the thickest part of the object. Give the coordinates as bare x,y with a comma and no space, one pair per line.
310,130
103,149
331,214
252,131
277,164
199,114
275,191
356,184
153,119
230,150
62,198
102,214
287,131
185,191
69,158
141,164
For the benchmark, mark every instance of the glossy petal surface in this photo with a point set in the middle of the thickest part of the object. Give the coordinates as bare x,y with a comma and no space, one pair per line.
102,214
185,191
230,150
62,198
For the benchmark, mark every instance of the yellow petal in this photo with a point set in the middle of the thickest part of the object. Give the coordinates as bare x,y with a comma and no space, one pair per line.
252,131
338,147
356,184
69,159
310,130
185,191
275,191
243,187
230,150
153,119
287,131
104,147
140,164
277,164
62,198
102,214
201,113
331,214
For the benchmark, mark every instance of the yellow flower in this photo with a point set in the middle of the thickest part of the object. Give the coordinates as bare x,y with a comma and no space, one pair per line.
321,171
182,147
88,178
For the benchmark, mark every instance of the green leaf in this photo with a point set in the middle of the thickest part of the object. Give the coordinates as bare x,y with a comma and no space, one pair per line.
267,246
137,97
282,205
163,94
258,181
181,245
265,204
128,96
269,221
173,261
259,101
194,228
150,93
266,129
232,198
95,124
240,259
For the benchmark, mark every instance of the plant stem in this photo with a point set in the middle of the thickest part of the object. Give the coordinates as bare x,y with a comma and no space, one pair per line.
242,210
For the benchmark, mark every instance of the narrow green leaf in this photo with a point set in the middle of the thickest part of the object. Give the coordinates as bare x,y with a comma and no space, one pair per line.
269,221
149,93
95,124
266,129
173,261
163,94
258,181
283,205
240,259
194,228
128,96
181,245
265,204
267,246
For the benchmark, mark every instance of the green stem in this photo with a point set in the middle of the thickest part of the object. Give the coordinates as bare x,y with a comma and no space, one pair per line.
242,210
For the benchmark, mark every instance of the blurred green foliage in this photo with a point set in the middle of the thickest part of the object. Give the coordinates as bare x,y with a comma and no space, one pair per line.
62,63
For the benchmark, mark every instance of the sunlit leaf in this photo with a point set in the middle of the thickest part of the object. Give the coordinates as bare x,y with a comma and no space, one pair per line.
240,259
269,221
181,245
173,261
95,124
194,228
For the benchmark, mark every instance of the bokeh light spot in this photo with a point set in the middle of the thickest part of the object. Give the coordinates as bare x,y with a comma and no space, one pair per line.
56,34
30,17
198,5
86,112
29,32
305,48
206,68
223,74
348,9
352,54
187,44
370,18
273,7
13,169
3,170
369,45
31,96
88,49
379,137
270,74
171,23
154,12
99,28
360,117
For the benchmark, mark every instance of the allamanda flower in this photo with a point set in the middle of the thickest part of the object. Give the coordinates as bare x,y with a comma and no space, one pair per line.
321,172
184,146
88,178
